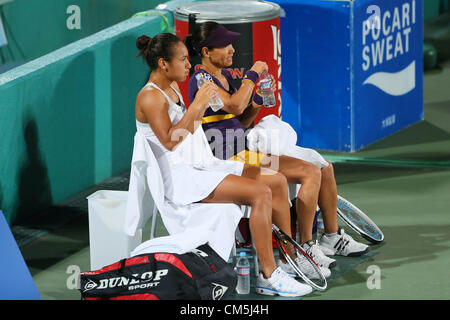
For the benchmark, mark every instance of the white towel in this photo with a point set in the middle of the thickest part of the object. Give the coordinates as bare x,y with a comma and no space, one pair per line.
179,243
221,219
275,137
272,136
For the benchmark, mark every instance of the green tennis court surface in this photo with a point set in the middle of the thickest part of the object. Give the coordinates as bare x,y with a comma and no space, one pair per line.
401,182
410,206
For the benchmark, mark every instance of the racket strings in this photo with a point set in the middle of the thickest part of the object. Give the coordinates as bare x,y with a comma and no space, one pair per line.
303,264
359,221
307,266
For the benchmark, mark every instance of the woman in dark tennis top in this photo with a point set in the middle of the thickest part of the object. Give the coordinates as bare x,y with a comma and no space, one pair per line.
213,42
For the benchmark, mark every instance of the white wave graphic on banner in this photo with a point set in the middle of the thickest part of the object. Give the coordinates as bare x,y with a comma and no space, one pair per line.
395,84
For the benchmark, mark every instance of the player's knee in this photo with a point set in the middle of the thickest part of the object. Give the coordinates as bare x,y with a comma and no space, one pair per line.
329,168
282,180
262,195
313,173
279,182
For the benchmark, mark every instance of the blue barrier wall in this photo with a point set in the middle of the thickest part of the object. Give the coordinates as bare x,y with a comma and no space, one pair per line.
68,117
36,27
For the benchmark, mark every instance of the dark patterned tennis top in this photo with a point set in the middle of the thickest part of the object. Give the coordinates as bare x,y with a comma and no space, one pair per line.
231,129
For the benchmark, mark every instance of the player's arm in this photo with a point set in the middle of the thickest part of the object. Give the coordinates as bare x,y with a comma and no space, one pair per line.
249,114
257,101
238,102
155,107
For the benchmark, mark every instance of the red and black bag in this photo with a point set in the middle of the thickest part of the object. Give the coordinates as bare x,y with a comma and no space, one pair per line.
197,275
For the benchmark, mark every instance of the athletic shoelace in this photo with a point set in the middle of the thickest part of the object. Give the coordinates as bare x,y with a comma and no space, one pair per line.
312,250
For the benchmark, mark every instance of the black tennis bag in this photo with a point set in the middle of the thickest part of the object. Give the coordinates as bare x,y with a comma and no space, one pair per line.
197,275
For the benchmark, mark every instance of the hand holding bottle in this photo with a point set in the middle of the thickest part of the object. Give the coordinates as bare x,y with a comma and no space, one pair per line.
215,102
259,67
267,88
205,94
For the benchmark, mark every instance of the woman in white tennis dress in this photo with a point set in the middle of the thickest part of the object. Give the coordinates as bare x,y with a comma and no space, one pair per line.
190,172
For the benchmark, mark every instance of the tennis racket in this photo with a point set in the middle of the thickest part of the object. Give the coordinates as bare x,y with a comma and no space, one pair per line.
314,277
358,221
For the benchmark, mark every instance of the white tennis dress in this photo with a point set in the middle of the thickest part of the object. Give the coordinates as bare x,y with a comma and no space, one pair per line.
190,172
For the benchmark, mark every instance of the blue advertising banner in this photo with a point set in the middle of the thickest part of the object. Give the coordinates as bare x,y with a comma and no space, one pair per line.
352,70
388,68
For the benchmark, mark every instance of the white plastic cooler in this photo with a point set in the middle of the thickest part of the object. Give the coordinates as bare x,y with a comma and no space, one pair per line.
107,239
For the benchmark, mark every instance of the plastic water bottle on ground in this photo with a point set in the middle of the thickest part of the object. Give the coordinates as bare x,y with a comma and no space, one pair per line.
215,103
243,274
267,93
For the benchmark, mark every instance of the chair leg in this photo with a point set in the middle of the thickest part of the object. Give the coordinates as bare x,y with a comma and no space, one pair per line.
154,218
234,254
255,257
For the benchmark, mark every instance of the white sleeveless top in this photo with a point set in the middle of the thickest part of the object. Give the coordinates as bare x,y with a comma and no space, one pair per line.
176,112
190,172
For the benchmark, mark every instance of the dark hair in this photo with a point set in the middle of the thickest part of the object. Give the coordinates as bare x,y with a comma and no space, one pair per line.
160,46
200,34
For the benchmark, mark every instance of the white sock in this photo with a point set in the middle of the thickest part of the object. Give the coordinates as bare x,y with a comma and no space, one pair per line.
330,235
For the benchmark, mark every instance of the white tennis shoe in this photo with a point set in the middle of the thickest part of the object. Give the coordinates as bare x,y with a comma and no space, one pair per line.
341,244
280,283
313,250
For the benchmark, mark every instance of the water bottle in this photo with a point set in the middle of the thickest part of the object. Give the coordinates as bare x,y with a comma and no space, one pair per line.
243,274
215,103
267,93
